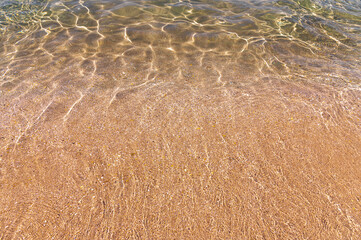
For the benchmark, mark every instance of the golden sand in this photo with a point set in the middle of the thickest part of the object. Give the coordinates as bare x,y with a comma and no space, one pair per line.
273,160
180,120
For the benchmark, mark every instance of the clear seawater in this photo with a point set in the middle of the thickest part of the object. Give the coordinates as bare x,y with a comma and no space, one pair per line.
203,43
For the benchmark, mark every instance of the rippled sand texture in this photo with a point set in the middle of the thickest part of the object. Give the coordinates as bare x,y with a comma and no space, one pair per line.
180,120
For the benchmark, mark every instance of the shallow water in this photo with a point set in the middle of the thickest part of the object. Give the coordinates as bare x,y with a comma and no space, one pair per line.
180,119
207,43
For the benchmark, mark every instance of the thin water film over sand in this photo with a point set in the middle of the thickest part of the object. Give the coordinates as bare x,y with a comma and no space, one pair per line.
174,119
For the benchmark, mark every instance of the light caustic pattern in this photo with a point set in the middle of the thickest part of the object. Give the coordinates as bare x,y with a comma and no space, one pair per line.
180,119
204,42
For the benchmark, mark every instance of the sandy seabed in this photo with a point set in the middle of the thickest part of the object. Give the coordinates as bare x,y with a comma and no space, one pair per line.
180,120
271,160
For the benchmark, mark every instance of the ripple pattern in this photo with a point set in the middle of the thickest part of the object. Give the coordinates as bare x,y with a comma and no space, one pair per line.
180,119
207,40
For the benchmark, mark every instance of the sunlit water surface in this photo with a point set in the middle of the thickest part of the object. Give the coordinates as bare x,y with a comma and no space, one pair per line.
208,43
180,119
